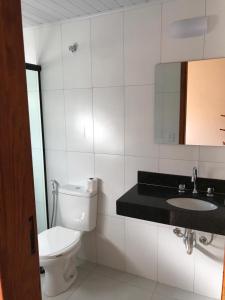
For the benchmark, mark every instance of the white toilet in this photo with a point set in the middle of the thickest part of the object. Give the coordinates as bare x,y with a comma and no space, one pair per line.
58,246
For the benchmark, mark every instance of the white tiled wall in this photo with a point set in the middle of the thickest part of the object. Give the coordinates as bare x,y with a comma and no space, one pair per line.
98,113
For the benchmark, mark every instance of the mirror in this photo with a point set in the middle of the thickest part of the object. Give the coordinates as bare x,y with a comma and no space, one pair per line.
190,103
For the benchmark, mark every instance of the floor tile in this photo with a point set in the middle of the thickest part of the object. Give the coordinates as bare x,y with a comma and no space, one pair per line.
96,282
163,291
114,274
98,287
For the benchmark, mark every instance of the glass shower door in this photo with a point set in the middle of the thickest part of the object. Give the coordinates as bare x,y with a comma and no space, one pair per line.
37,144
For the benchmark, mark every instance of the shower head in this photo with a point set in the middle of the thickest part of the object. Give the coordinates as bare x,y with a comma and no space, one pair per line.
73,48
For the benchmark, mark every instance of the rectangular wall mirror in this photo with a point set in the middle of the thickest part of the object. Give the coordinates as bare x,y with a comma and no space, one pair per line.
190,103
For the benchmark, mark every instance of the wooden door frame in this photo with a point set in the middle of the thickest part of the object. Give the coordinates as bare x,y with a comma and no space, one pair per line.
19,259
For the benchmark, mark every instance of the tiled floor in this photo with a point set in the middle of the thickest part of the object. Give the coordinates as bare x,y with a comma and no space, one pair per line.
96,282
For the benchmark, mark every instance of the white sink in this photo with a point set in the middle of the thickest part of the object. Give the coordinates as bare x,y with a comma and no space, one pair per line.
192,204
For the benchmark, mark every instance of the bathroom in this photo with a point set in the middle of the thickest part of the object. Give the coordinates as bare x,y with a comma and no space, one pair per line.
96,65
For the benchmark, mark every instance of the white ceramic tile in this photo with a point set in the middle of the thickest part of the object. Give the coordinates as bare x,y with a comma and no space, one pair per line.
77,65
212,154
208,265
88,247
178,49
110,171
54,120
134,164
114,274
139,121
29,45
212,170
109,120
80,166
110,242
140,282
107,50
48,52
56,168
141,248
142,44
214,39
175,267
179,152
178,167
163,291
98,287
79,120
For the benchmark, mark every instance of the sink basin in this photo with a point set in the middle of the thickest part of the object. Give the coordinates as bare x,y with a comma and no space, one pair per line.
192,204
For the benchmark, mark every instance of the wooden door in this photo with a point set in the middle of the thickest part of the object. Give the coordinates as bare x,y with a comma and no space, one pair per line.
19,266
223,289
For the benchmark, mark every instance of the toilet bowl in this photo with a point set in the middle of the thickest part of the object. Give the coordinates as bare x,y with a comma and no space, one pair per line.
58,248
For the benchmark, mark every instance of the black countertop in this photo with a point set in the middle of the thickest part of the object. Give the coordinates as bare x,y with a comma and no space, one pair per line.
147,201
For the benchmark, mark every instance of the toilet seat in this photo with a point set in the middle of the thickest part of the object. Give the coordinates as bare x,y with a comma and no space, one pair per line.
57,241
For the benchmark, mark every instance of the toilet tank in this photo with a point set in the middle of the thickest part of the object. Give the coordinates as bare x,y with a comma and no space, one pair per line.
76,208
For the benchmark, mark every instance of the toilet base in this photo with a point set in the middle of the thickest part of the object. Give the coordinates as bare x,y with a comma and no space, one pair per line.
60,274
55,285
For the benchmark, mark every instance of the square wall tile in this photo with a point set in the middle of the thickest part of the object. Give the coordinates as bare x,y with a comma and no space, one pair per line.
214,39
178,167
212,154
80,167
109,120
107,50
49,56
141,248
29,45
54,120
56,169
175,267
182,152
212,170
134,164
110,171
179,49
208,266
139,121
79,120
142,34
111,242
76,65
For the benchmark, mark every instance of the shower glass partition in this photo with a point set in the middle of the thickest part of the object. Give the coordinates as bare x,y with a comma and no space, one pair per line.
37,144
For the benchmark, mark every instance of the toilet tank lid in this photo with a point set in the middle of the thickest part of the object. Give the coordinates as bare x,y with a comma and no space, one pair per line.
76,190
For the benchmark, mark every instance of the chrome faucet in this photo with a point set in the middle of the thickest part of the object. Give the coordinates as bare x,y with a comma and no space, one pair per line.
194,180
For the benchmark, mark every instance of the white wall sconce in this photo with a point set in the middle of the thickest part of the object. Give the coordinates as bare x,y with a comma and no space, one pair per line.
188,27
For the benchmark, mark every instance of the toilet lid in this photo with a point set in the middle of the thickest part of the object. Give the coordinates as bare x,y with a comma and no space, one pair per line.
57,240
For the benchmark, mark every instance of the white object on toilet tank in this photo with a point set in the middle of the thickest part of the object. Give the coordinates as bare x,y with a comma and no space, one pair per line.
92,185
76,207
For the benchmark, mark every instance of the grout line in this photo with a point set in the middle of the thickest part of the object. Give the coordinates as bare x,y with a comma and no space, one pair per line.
99,87
204,37
161,33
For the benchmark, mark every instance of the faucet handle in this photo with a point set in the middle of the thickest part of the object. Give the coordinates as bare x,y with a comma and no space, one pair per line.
210,192
181,188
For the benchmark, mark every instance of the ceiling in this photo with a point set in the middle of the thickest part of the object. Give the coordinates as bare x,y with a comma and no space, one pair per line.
37,12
